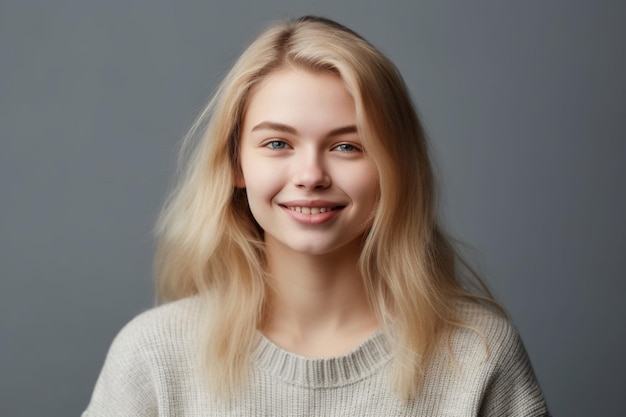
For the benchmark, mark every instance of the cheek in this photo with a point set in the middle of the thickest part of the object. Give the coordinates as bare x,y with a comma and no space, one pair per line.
370,197
363,188
261,183
372,193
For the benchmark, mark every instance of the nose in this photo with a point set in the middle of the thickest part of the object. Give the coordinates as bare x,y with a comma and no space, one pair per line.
309,172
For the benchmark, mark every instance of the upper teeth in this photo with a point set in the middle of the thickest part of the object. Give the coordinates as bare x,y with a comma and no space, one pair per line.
310,210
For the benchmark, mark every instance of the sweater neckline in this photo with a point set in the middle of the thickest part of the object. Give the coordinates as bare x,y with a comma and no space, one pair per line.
333,371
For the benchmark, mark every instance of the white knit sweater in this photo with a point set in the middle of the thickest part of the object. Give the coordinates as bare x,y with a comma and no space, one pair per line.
151,370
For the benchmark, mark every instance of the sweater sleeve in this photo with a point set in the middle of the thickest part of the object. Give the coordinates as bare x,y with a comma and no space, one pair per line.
126,385
513,389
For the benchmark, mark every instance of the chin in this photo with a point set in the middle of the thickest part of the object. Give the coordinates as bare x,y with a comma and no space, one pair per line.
318,248
312,250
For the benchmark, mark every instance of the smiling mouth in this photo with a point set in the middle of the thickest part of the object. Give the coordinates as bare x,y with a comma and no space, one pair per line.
312,210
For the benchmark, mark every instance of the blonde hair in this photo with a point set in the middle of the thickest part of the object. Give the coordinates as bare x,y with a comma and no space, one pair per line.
208,241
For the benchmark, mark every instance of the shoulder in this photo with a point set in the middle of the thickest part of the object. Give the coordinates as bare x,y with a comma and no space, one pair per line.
490,349
152,354
488,328
487,340
168,314
492,333
163,330
169,322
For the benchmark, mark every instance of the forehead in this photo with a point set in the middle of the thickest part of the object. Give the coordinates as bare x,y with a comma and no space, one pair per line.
304,99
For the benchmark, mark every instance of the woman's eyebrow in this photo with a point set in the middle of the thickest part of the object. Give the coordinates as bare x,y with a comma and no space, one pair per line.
346,130
281,127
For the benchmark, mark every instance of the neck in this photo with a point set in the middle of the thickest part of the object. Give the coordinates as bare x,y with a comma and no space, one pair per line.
317,298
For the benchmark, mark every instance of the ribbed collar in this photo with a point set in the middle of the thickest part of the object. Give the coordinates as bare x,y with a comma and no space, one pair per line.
334,371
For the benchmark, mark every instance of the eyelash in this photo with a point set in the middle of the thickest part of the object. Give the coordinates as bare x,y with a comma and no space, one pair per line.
279,145
353,148
271,144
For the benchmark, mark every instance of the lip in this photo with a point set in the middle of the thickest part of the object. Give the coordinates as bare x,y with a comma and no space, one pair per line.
312,218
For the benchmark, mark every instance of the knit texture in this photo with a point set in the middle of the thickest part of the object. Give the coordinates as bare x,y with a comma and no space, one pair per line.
152,370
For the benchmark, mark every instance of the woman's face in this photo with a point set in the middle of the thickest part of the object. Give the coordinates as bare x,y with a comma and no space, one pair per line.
310,185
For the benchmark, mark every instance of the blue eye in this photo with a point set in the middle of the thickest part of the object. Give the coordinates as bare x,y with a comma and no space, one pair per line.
346,147
277,145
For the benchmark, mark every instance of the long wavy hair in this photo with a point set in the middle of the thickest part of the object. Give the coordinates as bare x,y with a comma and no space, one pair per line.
209,243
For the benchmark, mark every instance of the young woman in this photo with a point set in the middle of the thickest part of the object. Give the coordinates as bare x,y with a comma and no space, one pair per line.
301,262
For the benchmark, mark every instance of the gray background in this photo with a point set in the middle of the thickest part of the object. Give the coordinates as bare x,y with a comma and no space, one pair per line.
524,102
